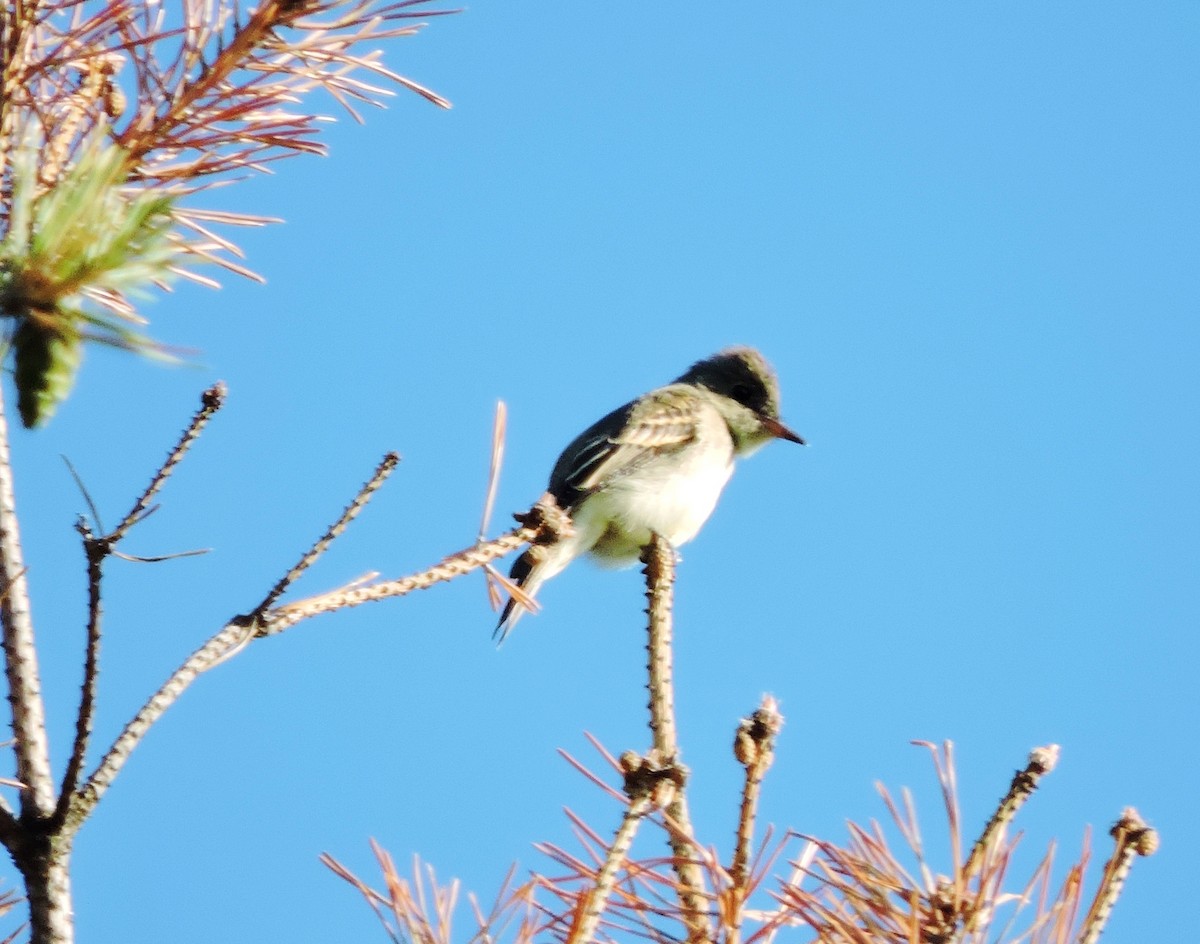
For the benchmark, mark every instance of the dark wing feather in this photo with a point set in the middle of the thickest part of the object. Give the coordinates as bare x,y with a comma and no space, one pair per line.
661,422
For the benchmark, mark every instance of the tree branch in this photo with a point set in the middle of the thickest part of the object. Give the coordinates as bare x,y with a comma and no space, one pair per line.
385,468
229,640
20,654
659,558
1041,761
97,549
210,401
1133,837
754,748
539,523
645,782
91,670
242,630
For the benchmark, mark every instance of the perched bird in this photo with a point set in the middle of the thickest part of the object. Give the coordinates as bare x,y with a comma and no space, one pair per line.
655,465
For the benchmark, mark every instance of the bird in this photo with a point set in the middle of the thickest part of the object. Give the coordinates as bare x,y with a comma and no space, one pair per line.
656,465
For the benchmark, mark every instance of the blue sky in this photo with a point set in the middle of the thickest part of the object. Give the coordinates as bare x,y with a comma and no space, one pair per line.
966,237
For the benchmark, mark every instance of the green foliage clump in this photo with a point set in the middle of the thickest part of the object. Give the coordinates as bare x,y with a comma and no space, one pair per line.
76,248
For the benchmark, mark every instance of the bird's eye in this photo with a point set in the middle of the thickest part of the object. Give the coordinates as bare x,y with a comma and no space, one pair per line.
741,393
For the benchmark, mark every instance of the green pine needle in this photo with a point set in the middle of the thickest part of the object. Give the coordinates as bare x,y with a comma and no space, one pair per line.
85,236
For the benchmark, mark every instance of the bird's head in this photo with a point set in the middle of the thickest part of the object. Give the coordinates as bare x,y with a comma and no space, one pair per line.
749,395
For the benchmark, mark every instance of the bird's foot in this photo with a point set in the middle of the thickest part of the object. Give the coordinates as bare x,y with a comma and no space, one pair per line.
550,521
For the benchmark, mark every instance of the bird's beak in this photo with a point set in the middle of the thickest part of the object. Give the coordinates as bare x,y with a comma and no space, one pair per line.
779,431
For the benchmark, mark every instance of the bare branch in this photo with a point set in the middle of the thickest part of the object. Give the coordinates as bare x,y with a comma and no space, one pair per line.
659,558
543,520
754,748
97,550
240,631
95,553
232,637
210,401
385,468
1041,761
647,784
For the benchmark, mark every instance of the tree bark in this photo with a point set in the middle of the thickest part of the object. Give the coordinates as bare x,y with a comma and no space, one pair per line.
20,654
44,859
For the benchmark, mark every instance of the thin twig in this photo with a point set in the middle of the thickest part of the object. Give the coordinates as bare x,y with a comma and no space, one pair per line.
241,630
456,565
210,401
224,645
544,519
97,550
382,471
1133,838
659,558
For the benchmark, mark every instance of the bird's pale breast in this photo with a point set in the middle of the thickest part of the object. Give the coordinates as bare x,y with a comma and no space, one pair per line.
672,495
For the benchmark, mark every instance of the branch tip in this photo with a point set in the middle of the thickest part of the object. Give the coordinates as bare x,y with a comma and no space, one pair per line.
755,735
1043,760
1131,830
214,397
211,400
385,468
1132,837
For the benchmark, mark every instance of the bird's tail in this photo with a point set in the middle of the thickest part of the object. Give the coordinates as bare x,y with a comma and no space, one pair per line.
538,564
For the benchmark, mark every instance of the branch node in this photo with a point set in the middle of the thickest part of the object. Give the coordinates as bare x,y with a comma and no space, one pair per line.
652,777
754,741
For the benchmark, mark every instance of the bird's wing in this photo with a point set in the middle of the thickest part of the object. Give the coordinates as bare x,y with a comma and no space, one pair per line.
660,422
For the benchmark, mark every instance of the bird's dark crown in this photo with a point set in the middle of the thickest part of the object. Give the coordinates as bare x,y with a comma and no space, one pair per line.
743,375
